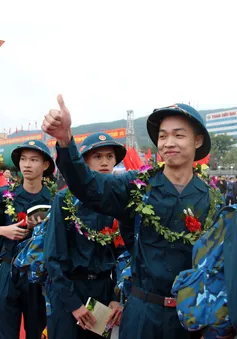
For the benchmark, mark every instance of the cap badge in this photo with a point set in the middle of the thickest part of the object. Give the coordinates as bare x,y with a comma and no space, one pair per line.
31,143
102,137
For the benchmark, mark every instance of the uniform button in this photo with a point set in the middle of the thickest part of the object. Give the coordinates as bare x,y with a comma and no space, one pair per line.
169,269
172,246
179,200
176,222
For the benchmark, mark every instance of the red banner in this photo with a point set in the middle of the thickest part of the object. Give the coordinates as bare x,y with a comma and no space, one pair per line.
20,140
114,133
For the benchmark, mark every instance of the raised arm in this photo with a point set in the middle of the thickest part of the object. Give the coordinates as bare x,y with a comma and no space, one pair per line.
104,193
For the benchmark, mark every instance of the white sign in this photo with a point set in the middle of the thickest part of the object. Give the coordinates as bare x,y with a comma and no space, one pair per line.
220,115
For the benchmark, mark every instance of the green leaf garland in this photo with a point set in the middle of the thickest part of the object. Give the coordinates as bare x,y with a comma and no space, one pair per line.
149,218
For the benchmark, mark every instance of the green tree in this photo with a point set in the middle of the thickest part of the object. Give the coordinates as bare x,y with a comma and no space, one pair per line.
222,144
230,158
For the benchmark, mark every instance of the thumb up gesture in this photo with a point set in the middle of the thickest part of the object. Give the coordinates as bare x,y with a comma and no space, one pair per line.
57,122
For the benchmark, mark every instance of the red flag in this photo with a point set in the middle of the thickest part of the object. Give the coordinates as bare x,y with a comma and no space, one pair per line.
35,124
16,130
137,161
159,159
1,42
132,160
203,161
127,161
148,155
29,126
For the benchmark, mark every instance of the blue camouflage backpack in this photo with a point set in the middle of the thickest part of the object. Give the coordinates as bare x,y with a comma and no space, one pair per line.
30,258
201,292
30,254
124,277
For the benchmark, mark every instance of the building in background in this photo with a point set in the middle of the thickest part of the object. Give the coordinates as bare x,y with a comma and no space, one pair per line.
224,122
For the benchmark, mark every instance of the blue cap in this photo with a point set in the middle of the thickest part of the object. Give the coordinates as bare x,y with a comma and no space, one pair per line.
154,120
37,146
101,139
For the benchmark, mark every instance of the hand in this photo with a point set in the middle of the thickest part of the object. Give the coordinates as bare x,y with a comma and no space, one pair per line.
32,222
116,315
57,123
84,318
14,231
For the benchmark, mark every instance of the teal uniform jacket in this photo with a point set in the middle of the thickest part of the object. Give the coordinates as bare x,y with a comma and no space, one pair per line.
71,257
22,201
230,267
156,262
17,295
78,268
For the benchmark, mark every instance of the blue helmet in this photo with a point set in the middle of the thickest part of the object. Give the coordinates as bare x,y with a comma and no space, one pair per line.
35,145
101,139
154,120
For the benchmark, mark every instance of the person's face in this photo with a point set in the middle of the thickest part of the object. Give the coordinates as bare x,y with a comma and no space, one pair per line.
32,164
177,141
7,174
101,159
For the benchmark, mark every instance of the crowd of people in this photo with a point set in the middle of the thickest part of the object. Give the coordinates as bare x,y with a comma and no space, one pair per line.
155,215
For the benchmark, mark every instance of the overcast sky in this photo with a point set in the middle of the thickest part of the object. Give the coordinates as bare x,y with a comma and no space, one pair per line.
108,56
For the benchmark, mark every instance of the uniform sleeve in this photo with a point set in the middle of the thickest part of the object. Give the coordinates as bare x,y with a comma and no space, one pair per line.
56,256
230,264
105,193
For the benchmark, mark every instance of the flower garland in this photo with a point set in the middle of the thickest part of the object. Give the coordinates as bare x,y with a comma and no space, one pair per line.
104,237
151,219
8,196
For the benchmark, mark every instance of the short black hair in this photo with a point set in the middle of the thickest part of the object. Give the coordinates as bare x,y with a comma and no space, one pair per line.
198,129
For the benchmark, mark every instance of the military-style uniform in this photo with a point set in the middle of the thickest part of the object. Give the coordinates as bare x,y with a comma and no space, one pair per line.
78,268
17,295
230,255
156,262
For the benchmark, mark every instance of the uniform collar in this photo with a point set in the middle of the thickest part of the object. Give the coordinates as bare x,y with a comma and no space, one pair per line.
196,184
44,192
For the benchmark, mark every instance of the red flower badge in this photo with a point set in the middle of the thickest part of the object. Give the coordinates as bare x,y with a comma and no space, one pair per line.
107,230
118,240
110,231
22,216
191,222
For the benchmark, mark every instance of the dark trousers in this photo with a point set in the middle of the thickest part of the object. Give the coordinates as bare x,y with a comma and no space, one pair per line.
142,319
17,298
60,323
